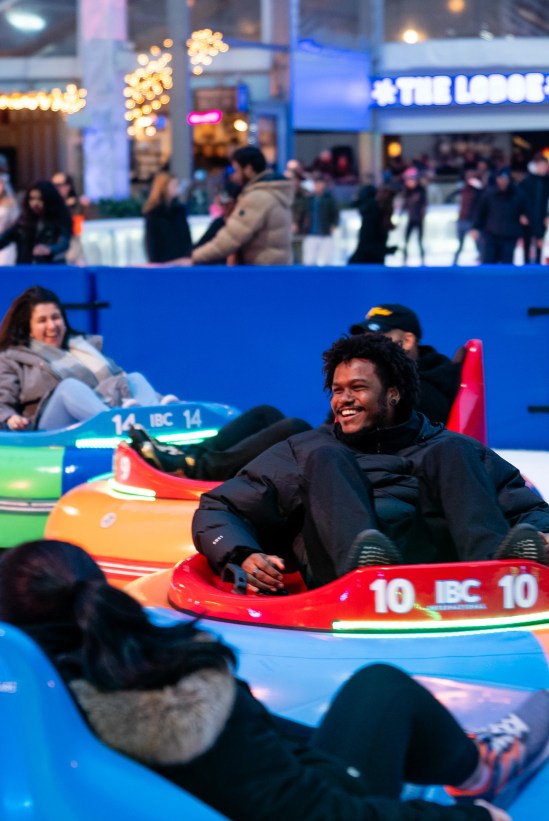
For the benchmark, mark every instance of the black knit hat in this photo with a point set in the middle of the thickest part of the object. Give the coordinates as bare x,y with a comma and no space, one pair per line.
383,318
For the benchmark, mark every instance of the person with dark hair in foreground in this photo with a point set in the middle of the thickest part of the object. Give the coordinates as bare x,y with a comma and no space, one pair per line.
168,697
382,485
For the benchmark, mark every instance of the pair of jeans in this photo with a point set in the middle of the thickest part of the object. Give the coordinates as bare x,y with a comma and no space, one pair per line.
73,401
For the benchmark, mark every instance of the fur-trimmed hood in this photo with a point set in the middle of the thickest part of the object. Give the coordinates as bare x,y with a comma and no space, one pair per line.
173,725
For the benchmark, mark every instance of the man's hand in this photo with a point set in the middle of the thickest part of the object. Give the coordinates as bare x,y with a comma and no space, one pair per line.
496,813
264,572
17,422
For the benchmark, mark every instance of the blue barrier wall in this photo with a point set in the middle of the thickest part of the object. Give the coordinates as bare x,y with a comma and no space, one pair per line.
73,285
251,335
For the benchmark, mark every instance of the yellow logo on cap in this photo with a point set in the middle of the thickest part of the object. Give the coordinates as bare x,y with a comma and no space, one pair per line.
378,312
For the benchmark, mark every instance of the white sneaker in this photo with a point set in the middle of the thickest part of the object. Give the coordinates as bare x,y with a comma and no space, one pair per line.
130,402
169,399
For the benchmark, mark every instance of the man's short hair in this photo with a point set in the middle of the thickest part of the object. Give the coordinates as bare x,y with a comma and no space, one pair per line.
393,366
250,155
388,317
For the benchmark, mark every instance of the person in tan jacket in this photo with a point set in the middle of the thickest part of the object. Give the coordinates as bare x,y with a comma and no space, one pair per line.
259,230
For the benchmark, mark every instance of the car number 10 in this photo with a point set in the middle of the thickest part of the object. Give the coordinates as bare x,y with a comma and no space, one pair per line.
399,595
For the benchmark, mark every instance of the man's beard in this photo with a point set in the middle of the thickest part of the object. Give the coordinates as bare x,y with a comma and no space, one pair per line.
363,437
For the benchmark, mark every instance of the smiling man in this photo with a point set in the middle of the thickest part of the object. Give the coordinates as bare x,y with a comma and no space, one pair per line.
382,485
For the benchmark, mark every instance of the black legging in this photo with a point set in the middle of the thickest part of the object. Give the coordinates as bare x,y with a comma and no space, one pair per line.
410,228
241,440
393,730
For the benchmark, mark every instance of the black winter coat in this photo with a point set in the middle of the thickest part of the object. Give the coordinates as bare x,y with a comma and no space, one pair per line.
535,190
218,742
167,234
28,233
439,379
499,213
275,777
372,238
261,508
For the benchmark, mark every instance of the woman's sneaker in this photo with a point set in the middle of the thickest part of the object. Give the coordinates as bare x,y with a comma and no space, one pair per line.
512,750
371,548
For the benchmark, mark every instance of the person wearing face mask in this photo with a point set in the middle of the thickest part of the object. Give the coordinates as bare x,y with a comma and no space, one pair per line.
42,232
51,376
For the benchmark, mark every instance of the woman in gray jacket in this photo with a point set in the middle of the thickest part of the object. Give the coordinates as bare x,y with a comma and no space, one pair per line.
51,376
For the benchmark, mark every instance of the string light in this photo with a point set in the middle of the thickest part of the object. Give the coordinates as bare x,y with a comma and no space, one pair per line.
203,46
147,87
146,90
69,101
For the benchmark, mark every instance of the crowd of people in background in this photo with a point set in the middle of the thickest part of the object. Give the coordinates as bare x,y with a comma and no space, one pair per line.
502,201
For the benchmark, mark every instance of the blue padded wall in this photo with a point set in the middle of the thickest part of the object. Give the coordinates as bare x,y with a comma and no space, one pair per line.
251,335
72,285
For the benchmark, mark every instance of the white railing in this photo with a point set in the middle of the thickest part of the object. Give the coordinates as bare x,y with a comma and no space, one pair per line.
119,242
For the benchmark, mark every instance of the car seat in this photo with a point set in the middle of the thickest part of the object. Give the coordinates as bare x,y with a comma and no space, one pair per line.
53,766
468,411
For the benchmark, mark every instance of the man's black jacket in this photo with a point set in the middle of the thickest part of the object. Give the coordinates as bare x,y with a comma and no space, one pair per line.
261,509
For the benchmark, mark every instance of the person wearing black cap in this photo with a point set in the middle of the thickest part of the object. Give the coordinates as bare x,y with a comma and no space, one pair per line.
502,213
439,376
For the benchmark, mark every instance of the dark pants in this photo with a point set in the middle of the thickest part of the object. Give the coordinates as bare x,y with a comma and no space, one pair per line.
241,440
456,511
498,249
412,227
381,730
528,235
463,228
456,489
391,729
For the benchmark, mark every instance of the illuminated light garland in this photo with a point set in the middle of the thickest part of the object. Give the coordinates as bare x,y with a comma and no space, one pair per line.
147,87
146,90
530,621
181,438
130,491
203,46
69,101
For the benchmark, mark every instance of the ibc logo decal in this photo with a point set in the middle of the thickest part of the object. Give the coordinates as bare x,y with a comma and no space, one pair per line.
451,591
518,591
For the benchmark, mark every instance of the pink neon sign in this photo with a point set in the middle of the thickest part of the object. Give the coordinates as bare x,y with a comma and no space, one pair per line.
204,117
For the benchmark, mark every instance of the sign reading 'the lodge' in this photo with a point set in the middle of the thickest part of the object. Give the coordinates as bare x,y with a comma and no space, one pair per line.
461,90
